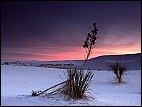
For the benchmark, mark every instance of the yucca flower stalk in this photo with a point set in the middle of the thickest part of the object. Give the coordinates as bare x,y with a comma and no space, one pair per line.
90,42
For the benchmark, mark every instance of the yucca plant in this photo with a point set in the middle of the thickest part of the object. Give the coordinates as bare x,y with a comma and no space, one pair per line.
77,84
77,80
119,69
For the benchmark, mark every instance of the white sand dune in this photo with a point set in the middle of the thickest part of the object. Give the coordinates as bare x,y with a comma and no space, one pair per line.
17,83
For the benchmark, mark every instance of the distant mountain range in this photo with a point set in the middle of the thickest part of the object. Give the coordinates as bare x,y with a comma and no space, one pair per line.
133,61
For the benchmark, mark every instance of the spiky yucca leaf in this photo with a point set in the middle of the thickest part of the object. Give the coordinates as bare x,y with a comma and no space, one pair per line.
114,67
123,68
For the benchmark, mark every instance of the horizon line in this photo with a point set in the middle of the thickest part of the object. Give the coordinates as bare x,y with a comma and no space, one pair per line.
74,59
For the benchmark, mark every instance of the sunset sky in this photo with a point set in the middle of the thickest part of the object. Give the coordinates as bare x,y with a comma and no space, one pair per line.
56,30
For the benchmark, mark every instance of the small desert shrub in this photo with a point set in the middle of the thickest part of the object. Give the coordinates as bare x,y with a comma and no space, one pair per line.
77,83
119,69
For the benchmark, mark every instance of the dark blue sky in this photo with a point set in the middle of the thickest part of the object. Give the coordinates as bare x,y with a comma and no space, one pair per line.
56,30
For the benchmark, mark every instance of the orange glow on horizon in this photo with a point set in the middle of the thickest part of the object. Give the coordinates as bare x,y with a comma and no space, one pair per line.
77,53
74,55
